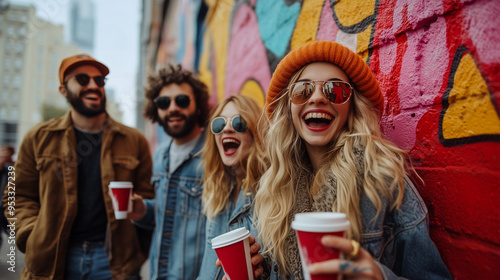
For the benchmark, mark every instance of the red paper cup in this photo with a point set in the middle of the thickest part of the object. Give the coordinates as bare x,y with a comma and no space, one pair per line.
311,227
121,195
233,250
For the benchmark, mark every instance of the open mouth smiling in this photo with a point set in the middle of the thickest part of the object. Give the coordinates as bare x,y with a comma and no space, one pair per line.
318,119
230,145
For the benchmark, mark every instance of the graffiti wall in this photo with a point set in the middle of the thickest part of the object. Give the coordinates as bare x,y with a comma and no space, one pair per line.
438,63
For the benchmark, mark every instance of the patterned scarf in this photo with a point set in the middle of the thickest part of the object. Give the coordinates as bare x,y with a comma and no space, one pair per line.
321,202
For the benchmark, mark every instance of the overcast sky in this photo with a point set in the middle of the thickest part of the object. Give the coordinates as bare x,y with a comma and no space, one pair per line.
116,43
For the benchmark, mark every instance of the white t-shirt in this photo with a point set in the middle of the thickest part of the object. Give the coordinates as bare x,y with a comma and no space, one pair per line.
179,153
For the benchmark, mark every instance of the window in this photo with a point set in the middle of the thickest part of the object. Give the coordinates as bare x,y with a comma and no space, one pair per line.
20,47
24,17
15,97
18,63
14,114
7,64
16,82
8,46
21,31
6,80
5,96
10,31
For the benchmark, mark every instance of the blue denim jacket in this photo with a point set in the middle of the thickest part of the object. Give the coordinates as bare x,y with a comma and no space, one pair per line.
399,240
188,229
233,217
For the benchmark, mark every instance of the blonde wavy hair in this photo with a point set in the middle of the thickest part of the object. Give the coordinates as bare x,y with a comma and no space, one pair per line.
384,170
216,176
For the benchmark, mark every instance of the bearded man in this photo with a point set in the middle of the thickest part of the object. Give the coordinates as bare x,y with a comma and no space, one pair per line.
178,102
64,218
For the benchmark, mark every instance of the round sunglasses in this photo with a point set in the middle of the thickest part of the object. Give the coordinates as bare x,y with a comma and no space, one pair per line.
84,80
237,122
335,91
163,102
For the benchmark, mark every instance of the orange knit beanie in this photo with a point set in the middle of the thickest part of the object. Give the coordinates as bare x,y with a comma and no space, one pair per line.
356,69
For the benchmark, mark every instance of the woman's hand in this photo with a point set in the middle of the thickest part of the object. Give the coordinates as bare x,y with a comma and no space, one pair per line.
256,258
138,209
361,266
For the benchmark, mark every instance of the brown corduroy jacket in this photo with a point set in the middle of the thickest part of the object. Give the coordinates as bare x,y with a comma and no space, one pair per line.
46,174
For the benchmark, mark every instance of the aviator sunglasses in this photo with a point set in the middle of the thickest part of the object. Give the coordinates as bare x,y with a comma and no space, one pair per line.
237,122
335,91
84,79
163,102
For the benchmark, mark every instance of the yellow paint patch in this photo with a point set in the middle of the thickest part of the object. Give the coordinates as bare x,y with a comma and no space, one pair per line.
307,24
218,21
205,71
351,12
470,111
253,90
363,42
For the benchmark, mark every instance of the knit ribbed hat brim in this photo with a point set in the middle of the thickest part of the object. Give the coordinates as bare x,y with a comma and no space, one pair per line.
356,69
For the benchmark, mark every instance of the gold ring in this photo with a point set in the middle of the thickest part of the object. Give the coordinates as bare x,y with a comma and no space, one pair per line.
355,251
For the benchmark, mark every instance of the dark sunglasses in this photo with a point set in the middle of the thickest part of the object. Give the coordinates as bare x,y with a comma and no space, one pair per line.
84,79
237,122
163,102
337,92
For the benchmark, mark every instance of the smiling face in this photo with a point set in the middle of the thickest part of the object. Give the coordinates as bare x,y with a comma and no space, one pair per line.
88,100
317,121
233,146
178,122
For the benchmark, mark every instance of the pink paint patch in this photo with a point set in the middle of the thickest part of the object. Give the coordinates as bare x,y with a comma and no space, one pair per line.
482,18
388,55
327,29
418,12
421,78
247,57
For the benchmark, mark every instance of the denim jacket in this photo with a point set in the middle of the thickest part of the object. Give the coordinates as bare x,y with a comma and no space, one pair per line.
233,217
188,235
399,240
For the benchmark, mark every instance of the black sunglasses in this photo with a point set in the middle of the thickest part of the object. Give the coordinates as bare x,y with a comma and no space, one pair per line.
163,102
335,91
237,122
84,79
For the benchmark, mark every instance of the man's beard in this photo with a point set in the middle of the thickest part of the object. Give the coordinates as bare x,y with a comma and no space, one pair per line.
189,125
76,102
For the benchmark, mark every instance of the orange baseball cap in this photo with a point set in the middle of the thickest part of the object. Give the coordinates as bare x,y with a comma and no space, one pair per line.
80,59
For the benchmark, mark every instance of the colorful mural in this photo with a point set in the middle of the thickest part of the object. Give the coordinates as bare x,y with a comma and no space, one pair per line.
438,63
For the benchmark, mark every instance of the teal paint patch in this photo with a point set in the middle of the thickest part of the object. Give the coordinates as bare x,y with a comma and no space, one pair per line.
276,24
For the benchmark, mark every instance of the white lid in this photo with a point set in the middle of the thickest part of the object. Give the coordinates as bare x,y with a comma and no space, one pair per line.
321,222
120,184
229,238
121,215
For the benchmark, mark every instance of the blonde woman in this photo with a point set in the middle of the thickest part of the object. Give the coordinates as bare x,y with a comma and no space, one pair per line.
327,154
233,160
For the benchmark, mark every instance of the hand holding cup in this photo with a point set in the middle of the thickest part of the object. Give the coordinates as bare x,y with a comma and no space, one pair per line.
138,209
256,258
361,266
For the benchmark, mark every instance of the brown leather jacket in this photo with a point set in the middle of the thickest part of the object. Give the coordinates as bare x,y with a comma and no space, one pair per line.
46,196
